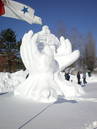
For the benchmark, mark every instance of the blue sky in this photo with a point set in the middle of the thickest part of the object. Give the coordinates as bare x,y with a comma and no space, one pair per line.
81,14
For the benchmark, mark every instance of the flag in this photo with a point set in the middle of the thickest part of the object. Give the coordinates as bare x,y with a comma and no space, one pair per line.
19,11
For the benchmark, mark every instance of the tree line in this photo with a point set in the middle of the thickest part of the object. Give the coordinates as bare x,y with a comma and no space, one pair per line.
9,46
85,43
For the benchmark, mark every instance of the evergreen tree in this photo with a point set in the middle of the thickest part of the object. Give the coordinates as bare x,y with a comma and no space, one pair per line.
8,38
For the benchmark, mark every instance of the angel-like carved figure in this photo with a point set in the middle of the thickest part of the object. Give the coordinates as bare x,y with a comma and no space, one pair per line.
44,56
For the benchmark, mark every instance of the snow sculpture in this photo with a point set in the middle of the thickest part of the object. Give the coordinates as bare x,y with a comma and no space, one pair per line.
44,56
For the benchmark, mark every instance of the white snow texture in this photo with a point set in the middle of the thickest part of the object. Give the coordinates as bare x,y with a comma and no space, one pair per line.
44,57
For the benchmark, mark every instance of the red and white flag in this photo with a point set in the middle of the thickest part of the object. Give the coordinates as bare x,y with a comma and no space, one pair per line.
13,9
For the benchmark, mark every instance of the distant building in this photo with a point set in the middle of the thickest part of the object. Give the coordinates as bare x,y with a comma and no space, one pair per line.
8,63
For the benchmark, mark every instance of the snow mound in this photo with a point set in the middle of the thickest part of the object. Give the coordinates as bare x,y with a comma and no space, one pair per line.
9,81
92,125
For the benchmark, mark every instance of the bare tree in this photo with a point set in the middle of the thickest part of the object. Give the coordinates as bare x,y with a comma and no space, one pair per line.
90,52
61,30
77,39
78,42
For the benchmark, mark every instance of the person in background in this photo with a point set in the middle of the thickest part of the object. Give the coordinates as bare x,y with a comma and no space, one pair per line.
84,78
67,76
89,73
78,78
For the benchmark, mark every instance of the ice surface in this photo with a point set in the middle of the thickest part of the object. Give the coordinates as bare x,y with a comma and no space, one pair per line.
44,56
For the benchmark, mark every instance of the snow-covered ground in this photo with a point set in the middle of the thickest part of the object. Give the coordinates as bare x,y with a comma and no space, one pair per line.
19,113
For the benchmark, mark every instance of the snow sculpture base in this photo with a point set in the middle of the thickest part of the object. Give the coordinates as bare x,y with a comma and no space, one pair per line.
43,87
39,87
44,56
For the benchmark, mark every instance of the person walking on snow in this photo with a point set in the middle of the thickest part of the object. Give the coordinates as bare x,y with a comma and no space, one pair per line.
78,77
84,78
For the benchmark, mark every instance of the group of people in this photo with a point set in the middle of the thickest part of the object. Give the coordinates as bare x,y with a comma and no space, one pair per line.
83,77
79,77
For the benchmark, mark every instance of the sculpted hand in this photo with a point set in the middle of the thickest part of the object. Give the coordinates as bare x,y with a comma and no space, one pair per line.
64,56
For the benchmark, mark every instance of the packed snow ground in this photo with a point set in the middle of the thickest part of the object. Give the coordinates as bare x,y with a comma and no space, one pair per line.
19,113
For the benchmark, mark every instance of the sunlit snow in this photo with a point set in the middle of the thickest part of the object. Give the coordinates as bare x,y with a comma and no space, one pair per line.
44,57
